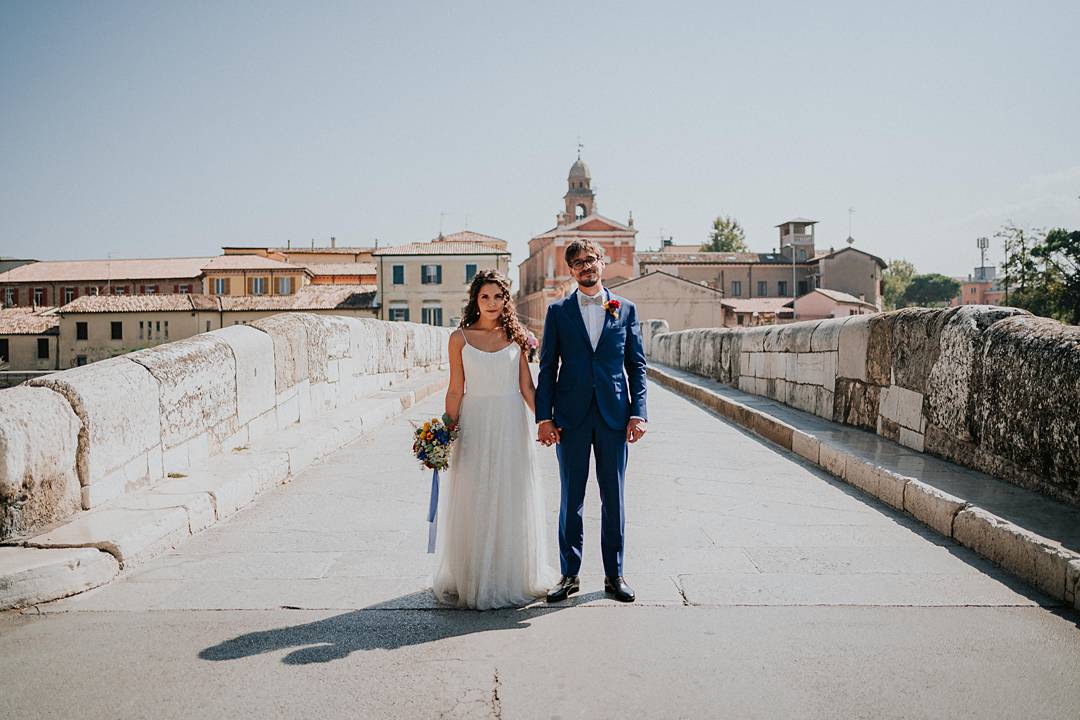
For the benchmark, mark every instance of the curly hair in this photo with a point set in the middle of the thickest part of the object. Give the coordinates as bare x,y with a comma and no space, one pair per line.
508,319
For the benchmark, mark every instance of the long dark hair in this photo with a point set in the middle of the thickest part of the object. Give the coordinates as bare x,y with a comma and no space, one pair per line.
508,319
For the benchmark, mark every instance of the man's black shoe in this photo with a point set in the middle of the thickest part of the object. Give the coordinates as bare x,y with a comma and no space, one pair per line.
617,587
568,585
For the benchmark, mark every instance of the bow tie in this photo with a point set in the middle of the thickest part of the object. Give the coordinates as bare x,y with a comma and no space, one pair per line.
597,300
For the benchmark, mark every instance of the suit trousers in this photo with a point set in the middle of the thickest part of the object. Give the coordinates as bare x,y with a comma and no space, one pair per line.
609,449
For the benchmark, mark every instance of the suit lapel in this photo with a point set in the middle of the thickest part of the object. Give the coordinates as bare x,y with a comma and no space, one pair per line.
574,310
609,321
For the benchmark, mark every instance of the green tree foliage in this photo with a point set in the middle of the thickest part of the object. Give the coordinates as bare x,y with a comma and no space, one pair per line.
1042,271
726,236
895,280
930,290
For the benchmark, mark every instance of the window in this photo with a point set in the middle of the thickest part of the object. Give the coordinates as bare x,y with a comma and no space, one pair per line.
150,289
166,329
431,275
399,313
11,296
736,288
207,326
431,315
141,330
117,329
221,286
399,274
740,319
802,287
120,290
470,272
781,288
4,350
762,288
258,286
69,294
284,286
157,330
80,360
43,348
183,289
80,331
39,296
94,290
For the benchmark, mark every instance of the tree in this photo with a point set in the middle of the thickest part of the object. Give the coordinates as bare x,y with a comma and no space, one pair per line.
895,280
1020,269
930,290
1060,256
726,236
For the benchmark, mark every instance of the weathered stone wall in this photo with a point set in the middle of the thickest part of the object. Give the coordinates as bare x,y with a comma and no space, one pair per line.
81,437
996,389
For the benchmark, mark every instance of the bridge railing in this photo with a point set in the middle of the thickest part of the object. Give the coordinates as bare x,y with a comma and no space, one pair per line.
991,388
81,437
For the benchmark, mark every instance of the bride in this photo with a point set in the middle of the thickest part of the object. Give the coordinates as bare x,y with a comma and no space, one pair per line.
491,548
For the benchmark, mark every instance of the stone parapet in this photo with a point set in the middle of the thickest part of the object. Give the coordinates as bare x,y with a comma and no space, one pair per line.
995,389
79,438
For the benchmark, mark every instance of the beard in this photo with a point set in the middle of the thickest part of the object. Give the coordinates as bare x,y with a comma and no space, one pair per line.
589,282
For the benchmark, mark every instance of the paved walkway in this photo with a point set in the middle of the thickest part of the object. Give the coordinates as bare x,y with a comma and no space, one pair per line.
766,589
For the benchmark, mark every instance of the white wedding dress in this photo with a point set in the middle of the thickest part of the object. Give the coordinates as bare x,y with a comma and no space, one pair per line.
491,548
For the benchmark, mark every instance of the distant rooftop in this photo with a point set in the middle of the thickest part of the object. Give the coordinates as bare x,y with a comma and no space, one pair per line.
715,258
310,297
799,221
340,268
29,321
48,271
247,262
165,302
442,247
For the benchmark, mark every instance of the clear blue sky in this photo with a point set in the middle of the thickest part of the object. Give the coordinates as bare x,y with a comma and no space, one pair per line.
155,129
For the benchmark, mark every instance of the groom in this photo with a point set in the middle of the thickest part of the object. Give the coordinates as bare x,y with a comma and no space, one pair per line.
590,400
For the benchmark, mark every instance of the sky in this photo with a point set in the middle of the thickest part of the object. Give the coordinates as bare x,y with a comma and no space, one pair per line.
145,129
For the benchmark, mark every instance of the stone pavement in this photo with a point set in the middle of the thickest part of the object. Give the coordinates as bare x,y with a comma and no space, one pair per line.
766,588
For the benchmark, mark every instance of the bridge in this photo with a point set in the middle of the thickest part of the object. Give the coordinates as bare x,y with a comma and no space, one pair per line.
825,520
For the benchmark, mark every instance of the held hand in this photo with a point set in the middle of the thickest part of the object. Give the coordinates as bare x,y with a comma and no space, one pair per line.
546,433
635,429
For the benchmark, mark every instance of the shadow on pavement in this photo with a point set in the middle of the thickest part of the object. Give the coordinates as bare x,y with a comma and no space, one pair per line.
401,622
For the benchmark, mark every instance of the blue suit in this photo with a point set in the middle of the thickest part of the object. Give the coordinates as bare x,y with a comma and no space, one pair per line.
591,396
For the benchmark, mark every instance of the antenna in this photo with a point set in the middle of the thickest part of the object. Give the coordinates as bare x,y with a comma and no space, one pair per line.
579,147
982,243
850,237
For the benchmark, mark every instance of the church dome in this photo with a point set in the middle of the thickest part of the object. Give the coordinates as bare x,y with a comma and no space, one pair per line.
579,171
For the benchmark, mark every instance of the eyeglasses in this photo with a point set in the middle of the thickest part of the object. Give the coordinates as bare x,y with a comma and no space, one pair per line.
584,262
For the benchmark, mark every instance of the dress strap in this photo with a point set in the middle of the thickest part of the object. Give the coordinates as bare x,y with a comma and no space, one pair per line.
464,336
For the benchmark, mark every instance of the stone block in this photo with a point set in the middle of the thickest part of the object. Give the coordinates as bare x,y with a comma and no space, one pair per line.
832,459
911,439
777,339
253,353
131,536
932,506
289,336
747,384
233,480
826,337
1072,584
199,506
197,388
824,404
29,576
852,347
39,439
803,397
801,334
805,445
998,540
809,368
862,475
829,364
753,339
119,407
773,430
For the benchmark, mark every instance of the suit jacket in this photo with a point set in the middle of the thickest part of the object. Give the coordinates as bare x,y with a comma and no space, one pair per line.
572,374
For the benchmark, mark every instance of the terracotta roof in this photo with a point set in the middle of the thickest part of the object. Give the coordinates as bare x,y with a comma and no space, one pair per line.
29,321
699,285
310,297
48,271
247,262
340,268
322,250
715,258
442,248
816,258
800,221
470,236
841,297
760,305
140,303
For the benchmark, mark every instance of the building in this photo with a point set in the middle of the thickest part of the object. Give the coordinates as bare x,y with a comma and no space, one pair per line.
29,339
982,287
682,303
851,271
9,263
740,312
94,328
58,282
544,277
252,275
429,282
744,275
820,303
330,255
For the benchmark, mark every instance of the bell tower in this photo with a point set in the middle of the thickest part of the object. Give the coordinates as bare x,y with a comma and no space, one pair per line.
579,197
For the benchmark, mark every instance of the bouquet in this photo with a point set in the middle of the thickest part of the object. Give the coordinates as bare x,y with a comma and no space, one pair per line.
431,446
532,343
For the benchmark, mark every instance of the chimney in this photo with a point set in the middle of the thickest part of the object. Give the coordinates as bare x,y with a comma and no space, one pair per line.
333,241
312,243
288,244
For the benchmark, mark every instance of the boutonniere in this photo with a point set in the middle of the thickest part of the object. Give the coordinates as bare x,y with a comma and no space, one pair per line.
612,307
